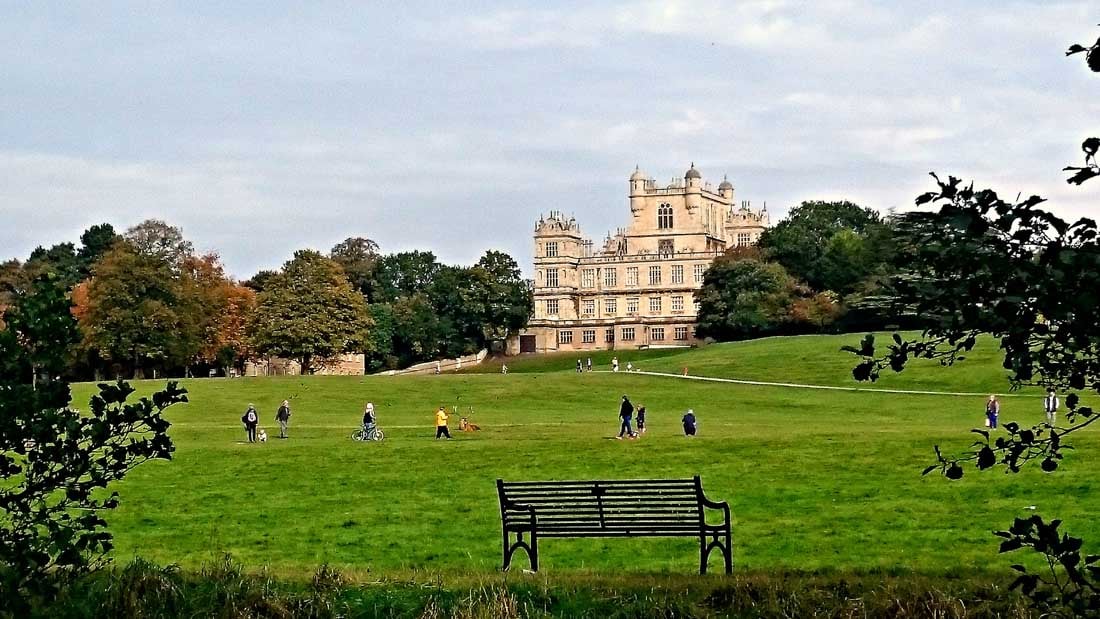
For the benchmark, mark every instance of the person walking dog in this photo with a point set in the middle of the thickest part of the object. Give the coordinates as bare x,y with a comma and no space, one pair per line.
250,420
441,423
626,411
283,417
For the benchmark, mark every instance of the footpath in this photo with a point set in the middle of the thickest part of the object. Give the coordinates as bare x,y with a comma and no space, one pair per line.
762,383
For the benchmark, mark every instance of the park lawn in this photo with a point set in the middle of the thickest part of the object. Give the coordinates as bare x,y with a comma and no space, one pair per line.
817,480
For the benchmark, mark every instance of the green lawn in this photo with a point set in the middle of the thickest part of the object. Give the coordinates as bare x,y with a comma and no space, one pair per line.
817,480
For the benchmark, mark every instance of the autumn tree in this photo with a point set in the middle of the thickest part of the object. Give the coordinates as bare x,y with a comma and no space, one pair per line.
131,316
310,312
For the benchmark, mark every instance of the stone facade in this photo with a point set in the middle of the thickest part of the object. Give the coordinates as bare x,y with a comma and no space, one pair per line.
343,365
637,290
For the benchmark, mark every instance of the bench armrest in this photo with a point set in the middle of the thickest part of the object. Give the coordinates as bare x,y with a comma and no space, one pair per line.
722,505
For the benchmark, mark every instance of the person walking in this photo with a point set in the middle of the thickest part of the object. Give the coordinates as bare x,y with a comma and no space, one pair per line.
441,423
992,411
641,419
689,423
504,368
250,420
614,364
590,364
283,417
1050,406
626,411
579,367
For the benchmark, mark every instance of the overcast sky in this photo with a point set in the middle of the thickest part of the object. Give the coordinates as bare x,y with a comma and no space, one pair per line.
265,127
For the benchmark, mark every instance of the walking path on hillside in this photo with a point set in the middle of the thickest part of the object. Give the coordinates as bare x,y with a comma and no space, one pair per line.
763,383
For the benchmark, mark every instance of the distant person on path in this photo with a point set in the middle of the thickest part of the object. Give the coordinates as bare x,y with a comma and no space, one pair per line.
689,423
250,419
590,364
438,367
992,410
1050,406
441,423
614,364
504,368
641,419
626,411
283,417
579,367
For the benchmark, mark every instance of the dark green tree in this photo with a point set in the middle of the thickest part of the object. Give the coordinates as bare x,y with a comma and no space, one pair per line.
95,242
358,256
56,464
743,297
403,274
830,245
310,312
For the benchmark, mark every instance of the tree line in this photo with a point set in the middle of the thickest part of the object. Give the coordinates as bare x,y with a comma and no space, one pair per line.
146,303
824,268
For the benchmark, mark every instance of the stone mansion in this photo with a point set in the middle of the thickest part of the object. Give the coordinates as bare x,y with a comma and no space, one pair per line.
637,290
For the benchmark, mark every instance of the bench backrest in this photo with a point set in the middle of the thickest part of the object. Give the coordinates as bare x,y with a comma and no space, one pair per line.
605,507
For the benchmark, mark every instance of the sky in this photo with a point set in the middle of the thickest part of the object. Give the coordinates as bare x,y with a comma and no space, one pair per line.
261,128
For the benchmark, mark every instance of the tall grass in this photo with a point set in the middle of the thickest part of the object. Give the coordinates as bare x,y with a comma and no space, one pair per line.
223,589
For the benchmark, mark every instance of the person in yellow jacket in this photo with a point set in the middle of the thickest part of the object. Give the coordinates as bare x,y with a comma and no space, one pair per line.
441,423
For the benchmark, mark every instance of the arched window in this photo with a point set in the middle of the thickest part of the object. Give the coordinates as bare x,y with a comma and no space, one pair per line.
664,216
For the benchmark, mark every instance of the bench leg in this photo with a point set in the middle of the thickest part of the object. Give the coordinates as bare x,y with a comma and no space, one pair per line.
532,550
723,542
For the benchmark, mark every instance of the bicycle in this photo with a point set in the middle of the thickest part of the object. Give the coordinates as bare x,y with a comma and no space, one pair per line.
373,433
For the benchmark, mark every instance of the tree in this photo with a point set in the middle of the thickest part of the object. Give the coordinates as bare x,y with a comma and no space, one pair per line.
982,264
508,298
131,315
309,312
829,245
60,260
156,239
94,243
260,280
743,297
56,463
403,274
358,257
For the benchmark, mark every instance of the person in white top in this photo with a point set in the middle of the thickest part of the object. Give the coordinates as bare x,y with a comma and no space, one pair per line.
1050,406
614,364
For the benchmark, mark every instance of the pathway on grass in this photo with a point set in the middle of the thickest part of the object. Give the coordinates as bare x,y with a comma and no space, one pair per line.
763,383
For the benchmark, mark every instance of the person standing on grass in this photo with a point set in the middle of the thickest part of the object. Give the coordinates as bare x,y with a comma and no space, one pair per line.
689,423
626,411
590,364
441,423
283,417
250,420
1050,406
579,367
614,364
641,419
992,411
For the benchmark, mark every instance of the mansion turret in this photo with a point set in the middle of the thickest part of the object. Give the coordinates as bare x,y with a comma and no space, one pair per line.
637,288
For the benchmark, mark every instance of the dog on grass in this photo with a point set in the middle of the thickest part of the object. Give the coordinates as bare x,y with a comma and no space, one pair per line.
465,425
262,435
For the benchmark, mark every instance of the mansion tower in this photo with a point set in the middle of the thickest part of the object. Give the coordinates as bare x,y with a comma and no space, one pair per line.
637,290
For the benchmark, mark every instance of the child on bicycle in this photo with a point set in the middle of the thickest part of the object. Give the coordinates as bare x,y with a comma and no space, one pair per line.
369,420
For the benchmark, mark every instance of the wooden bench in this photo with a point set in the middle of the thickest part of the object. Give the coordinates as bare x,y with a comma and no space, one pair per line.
610,508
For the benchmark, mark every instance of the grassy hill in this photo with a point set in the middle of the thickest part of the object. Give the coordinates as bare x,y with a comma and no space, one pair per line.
822,481
812,359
